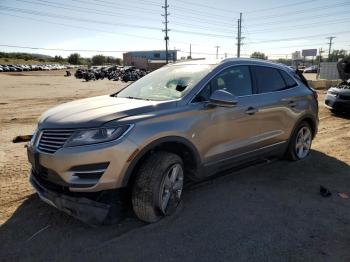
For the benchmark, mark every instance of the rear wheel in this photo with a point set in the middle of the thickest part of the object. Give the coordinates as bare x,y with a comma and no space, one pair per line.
158,187
300,143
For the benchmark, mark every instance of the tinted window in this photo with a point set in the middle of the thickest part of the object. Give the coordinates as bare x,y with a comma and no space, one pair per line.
288,80
204,94
235,80
268,79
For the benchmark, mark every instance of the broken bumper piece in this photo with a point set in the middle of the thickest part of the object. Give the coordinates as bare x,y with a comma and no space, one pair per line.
87,210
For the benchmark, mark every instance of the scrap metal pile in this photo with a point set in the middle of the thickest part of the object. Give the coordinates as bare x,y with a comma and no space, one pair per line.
344,73
115,73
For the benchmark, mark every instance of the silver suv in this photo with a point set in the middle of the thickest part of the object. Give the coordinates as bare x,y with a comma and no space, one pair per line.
184,121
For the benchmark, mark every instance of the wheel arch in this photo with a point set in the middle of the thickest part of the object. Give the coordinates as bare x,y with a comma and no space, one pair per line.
311,120
175,144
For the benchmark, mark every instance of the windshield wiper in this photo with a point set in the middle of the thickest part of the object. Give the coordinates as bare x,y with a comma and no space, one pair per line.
136,98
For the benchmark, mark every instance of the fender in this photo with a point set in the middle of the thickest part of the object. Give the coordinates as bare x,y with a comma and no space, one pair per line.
301,119
154,144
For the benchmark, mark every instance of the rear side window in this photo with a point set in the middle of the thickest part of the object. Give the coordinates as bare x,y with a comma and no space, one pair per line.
290,82
268,79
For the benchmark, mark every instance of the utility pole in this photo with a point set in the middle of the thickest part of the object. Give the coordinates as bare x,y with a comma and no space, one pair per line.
166,30
320,52
239,35
330,45
190,51
217,51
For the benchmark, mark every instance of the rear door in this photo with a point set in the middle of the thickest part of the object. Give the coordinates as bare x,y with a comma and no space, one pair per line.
278,100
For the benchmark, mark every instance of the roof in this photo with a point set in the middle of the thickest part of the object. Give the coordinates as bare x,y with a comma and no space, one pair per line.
232,61
149,51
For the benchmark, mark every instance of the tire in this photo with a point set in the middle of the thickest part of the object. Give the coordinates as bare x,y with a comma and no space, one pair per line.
294,152
153,186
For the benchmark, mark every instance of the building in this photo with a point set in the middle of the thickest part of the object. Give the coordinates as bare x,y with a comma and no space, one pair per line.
149,60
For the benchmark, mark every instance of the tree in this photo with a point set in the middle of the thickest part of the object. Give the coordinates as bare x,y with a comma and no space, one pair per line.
74,59
336,55
58,59
98,60
285,61
118,61
259,55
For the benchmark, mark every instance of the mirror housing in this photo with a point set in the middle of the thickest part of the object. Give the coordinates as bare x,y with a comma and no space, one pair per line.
223,98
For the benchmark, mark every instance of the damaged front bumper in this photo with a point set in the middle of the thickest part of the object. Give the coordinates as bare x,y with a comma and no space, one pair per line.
93,209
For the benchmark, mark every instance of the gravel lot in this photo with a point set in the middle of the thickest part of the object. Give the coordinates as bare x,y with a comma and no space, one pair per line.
269,212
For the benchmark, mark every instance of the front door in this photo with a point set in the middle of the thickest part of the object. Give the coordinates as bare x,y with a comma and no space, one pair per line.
224,133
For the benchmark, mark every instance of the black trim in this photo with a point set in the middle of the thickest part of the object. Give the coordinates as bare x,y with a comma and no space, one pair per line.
154,144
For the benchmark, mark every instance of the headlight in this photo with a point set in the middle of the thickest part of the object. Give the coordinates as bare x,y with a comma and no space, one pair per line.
332,93
98,135
34,137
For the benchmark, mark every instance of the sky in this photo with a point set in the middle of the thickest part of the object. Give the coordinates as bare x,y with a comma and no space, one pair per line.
111,27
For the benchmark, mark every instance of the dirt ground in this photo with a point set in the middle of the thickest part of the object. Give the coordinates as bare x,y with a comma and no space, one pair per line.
270,212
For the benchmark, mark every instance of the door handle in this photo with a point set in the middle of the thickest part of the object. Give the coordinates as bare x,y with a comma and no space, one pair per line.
292,103
251,111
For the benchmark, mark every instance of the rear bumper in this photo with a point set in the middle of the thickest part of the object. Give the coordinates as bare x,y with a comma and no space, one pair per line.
83,207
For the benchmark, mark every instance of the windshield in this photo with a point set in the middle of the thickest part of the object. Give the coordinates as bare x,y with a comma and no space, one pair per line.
166,83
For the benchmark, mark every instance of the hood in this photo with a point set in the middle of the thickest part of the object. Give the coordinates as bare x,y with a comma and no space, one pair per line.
96,111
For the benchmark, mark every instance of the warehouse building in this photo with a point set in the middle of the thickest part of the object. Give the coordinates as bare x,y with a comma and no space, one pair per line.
149,60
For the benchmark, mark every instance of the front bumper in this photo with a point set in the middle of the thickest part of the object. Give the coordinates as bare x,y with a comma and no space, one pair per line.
337,103
86,208
91,168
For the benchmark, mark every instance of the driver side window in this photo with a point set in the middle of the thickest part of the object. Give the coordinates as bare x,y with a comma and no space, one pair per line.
235,80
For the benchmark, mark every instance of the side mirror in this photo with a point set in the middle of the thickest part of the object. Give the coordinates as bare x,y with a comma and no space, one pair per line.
223,98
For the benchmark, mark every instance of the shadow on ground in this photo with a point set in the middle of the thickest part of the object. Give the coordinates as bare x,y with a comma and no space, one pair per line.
270,212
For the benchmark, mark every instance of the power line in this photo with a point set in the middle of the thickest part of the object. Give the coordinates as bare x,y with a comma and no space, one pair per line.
46,14
293,19
131,8
32,12
280,6
305,10
81,9
297,27
103,12
80,27
297,38
65,50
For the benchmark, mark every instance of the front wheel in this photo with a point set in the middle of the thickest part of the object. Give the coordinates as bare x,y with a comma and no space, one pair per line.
300,143
158,186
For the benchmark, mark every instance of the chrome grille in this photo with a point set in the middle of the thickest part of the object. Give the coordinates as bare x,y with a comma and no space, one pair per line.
52,140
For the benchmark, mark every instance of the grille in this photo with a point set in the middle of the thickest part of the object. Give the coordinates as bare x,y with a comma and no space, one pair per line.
52,140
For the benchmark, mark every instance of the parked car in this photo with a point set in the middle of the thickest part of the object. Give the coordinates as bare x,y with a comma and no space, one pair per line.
338,98
1,70
5,68
311,69
184,121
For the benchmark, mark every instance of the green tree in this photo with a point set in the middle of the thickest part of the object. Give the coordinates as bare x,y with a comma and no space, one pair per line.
118,61
74,59
336,55
98,60
285,61
58,59
259,55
